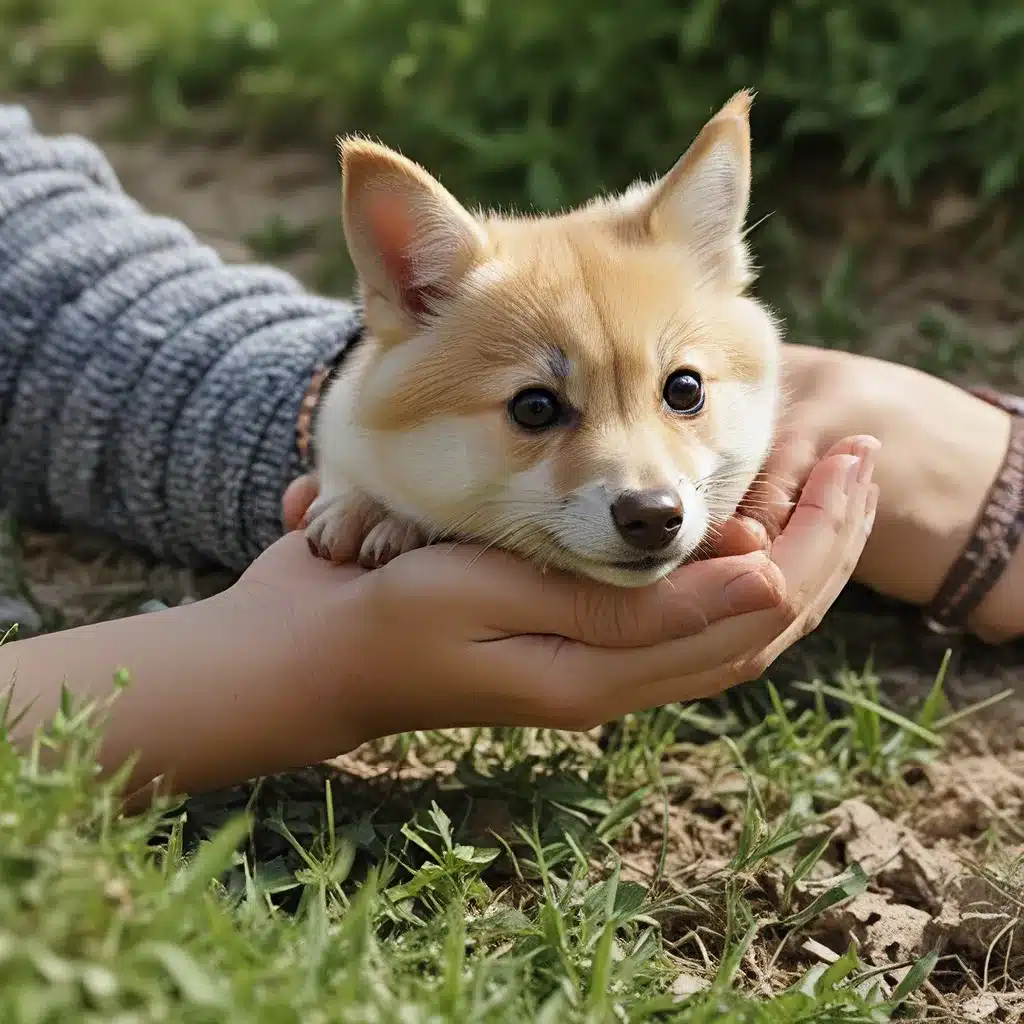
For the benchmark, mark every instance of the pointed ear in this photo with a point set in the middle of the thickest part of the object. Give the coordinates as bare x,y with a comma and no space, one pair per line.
410,240
702,202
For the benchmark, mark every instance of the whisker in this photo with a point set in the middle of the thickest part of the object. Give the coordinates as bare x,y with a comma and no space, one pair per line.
753,227
766,505
725,479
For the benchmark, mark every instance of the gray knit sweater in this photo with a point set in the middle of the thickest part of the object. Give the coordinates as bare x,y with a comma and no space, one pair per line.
147,389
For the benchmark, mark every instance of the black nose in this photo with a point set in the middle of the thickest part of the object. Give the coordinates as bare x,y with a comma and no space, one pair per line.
648,519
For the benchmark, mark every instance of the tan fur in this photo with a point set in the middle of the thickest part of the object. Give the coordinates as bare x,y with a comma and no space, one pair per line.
599,305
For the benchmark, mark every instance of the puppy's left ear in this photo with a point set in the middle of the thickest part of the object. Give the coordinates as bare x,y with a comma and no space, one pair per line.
701,204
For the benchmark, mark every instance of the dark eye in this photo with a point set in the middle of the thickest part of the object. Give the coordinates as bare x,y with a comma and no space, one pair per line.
684,392
535,409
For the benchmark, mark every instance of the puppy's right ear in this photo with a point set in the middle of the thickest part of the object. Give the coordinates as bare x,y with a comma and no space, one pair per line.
410,240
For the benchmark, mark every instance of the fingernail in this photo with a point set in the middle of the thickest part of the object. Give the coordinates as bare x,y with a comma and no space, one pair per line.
751,592
852,472
871,509
868,443
867,450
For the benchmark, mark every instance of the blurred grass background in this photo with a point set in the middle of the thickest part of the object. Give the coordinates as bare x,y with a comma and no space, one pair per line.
542,104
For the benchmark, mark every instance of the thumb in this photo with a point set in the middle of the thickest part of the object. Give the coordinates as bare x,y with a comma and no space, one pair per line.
509,597
301,493
680,605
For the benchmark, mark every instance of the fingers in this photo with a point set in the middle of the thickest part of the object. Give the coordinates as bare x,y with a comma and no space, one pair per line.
505,596
850,546
772,496
817,552
741,535
300,494
769,503
803,550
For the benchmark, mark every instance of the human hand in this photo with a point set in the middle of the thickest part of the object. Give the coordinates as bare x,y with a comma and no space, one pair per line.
452,636
942,451
829,397
302,659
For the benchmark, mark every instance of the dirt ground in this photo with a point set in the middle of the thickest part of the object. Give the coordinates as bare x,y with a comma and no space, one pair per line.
930,278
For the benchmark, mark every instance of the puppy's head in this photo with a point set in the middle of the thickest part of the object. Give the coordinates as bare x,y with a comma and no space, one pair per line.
592,390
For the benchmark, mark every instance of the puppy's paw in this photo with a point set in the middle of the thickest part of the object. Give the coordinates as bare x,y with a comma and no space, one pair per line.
391,537
337,526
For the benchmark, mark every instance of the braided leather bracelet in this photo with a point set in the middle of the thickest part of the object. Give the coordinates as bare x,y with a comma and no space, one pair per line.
996,535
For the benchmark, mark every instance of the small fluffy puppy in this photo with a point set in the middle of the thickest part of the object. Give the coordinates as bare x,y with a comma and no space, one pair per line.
594,391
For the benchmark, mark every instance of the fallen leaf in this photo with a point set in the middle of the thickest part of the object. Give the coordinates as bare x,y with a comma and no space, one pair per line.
687,985
981,1007
893,855
886,932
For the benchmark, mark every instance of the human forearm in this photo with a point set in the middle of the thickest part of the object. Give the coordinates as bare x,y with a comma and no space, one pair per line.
219,691
942,449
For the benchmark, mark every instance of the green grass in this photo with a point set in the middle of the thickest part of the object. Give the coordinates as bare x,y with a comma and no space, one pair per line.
544,104
370,913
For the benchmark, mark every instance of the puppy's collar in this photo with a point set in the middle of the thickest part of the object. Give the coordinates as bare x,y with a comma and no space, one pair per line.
323,377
